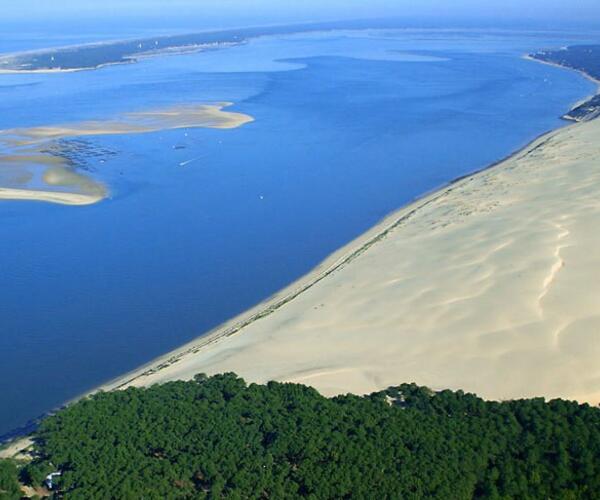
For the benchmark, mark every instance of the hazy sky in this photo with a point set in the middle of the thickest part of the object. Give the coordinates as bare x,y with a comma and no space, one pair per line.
268,11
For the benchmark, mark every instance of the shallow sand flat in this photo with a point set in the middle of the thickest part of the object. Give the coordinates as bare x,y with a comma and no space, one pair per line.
491,285
25,149
183,116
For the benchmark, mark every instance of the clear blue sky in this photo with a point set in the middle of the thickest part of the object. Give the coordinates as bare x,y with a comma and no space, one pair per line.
240,11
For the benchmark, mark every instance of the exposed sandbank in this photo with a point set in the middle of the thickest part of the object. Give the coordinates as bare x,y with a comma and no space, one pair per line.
26,150
63,198
184,116
490,285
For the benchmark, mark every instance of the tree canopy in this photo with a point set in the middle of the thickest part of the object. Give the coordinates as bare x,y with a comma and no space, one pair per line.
218,437
9,484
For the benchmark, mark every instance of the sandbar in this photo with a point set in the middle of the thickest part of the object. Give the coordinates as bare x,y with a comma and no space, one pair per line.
176,117
60,197
24,150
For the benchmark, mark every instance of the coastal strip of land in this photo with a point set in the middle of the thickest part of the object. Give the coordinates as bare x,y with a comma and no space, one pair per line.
581,58
31,170
92,56
490,285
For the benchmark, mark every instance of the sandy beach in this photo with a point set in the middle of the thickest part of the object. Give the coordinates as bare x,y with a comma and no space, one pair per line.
490,285
17,449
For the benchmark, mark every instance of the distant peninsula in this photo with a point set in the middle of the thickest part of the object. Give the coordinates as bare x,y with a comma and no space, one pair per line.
583,58
97,55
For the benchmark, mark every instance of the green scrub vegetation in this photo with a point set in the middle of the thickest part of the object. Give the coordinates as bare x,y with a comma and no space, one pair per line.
9,484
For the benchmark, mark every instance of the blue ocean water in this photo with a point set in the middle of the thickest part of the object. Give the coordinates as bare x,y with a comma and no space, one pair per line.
349,126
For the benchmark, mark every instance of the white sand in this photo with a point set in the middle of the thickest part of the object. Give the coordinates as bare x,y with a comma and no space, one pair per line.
60,197
491,285
17,449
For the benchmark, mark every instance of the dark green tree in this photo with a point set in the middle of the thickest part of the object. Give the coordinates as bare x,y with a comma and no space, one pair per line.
218,437
9,483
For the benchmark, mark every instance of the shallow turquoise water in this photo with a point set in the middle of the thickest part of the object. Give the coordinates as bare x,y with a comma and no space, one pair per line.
349,126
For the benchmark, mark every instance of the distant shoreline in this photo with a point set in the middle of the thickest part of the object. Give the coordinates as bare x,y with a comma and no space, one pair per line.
134,59
92,56
50,71
97,55
582,102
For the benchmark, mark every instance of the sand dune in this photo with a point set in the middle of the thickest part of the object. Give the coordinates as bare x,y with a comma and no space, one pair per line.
491,285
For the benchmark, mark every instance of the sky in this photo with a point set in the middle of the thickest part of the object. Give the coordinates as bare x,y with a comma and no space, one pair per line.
239,12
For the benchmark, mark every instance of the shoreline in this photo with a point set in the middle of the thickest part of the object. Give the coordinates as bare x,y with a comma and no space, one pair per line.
474,286
566,116
50,71
529,57
331,264
133,59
